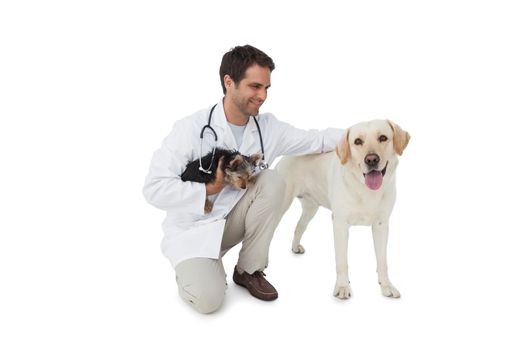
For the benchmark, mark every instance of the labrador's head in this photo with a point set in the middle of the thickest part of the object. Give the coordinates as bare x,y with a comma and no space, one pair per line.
370,150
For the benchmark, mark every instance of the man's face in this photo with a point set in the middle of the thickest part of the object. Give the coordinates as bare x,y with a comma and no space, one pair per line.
250,93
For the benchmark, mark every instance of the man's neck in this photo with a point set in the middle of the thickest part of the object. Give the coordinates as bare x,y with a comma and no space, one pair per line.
233,115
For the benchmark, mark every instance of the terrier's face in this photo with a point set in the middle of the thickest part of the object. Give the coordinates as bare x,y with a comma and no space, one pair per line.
240,170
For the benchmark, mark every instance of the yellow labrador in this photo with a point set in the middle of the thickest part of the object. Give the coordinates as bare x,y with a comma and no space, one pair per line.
357,183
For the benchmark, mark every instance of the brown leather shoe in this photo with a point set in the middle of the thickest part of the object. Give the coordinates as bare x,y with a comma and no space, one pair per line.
256,284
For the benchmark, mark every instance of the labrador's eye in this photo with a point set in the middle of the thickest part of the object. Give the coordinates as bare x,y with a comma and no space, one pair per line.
383,138
358,142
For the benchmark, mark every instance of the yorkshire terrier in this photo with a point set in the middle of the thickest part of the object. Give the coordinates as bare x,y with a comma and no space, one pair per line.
238,170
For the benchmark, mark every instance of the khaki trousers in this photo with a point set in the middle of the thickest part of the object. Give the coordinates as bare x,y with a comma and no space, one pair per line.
202,281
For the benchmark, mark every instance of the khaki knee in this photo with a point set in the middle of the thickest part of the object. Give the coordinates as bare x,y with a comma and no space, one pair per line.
209,302
272,183
204,298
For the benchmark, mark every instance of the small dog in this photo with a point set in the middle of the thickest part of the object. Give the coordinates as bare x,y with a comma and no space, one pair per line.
357,183
238,170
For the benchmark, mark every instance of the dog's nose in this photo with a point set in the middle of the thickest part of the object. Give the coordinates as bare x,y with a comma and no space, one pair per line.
372,160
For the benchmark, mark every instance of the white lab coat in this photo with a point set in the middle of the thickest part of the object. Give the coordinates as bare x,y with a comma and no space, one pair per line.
188,231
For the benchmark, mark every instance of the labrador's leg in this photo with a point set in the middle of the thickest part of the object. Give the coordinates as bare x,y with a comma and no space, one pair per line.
342,285
309,210
380,233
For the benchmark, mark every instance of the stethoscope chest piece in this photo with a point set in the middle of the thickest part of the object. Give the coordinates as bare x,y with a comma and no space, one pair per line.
262,165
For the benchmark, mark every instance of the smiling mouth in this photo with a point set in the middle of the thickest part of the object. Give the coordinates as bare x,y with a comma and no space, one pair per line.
374,178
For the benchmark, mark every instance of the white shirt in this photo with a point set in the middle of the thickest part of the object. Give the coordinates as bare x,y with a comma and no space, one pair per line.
238,133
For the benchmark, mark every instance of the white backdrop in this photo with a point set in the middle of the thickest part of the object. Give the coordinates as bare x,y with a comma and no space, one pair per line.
88,90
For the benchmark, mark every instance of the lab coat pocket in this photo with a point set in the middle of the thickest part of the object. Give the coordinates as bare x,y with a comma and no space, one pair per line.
198,241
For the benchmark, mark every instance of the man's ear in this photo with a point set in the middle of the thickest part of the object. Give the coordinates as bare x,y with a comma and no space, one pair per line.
228,81
343,148
401,137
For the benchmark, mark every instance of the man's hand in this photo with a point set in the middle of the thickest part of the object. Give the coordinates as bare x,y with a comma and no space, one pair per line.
217,185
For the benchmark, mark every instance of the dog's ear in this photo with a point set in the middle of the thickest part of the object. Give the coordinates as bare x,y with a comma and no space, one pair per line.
343,148
401,137
235,162
255,158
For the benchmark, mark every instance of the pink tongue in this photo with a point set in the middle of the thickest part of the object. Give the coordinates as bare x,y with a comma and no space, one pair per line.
374,179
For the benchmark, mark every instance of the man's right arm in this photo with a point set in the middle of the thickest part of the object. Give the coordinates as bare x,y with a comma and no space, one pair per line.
217,185
163,187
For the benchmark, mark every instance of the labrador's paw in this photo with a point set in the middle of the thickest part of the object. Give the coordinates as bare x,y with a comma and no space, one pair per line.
390,291
342,291
298,249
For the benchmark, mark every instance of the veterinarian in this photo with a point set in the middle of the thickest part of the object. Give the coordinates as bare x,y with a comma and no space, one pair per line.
194,241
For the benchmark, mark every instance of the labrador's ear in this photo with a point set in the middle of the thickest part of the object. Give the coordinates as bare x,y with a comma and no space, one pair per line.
343,148
401,137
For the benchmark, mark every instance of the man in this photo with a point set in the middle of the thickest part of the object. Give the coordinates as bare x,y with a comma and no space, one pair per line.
194,241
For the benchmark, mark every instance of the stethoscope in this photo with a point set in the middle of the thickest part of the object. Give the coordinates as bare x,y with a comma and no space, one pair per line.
262,164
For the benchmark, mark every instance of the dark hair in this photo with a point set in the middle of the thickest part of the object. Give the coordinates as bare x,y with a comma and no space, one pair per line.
236,61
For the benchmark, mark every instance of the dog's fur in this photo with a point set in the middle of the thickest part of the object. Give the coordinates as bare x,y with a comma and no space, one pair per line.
336,180
238,170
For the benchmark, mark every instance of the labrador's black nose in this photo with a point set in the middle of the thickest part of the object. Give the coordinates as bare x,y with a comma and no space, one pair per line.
372,160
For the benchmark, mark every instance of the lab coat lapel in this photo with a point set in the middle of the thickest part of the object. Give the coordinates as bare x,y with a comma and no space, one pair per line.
219,122
250,142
